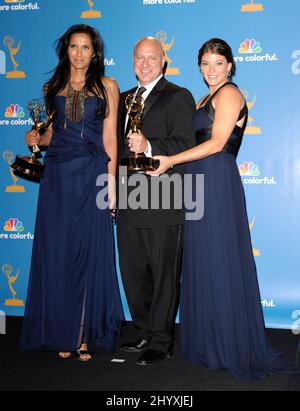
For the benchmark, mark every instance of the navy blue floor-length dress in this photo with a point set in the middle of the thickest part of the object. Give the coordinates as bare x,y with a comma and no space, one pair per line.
73,294
222,324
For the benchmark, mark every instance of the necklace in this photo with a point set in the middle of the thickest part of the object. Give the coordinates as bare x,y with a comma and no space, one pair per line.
74,110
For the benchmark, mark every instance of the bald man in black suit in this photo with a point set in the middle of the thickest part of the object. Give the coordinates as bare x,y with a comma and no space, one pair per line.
150,240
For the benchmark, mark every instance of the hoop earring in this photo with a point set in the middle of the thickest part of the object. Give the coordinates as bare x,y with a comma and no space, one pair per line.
229,74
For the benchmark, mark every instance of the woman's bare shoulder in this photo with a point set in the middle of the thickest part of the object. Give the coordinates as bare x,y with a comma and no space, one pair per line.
230,92
110,84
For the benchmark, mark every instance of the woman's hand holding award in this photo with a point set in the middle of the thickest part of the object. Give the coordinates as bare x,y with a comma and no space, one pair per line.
30,166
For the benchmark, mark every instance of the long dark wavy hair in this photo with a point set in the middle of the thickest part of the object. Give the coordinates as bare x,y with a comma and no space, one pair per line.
218,46
61,75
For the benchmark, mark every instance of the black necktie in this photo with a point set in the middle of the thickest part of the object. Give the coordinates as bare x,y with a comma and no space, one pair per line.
139,92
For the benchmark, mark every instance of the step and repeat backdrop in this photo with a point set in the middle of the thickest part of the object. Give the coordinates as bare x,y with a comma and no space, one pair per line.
265,40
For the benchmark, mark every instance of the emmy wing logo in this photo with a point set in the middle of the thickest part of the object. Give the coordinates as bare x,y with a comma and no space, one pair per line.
7,270
256,251
162,37
250,47
14,224
91,14
15,111
9,43
8,157
252,7
250,129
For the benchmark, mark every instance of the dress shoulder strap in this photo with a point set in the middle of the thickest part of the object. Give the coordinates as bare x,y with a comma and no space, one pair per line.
202,102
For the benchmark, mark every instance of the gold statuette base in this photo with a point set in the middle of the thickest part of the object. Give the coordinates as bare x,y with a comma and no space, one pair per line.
256,252
91,14
252,130
15,189
13,302
140,163
172,71
252,7
16,74
28,167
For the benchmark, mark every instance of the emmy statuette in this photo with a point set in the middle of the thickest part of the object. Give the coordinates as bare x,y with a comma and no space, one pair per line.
30,166
135,106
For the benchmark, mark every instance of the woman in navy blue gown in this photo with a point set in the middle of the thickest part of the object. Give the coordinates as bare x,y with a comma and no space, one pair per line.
73,302
222,325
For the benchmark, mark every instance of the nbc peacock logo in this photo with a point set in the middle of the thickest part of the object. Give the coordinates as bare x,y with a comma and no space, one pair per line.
14,230
15,116
250,47
249,169
14,111
14,224
250,173
250,51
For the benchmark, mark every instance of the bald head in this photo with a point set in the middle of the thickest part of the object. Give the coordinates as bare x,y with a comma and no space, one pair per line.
150,42
149,60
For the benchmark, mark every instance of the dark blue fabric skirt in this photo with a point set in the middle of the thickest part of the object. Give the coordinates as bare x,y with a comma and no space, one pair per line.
222,325
73,294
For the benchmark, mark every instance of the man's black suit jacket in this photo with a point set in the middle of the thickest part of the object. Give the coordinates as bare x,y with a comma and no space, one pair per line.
168,125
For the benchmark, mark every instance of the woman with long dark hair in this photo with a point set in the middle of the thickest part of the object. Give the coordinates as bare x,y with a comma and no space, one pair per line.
73,302
221,318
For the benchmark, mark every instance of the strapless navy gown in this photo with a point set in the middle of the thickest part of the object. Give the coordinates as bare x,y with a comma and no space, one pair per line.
222,324
73,294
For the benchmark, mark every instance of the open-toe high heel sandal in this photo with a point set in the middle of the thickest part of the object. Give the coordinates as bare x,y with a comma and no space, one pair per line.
83,355
64,355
